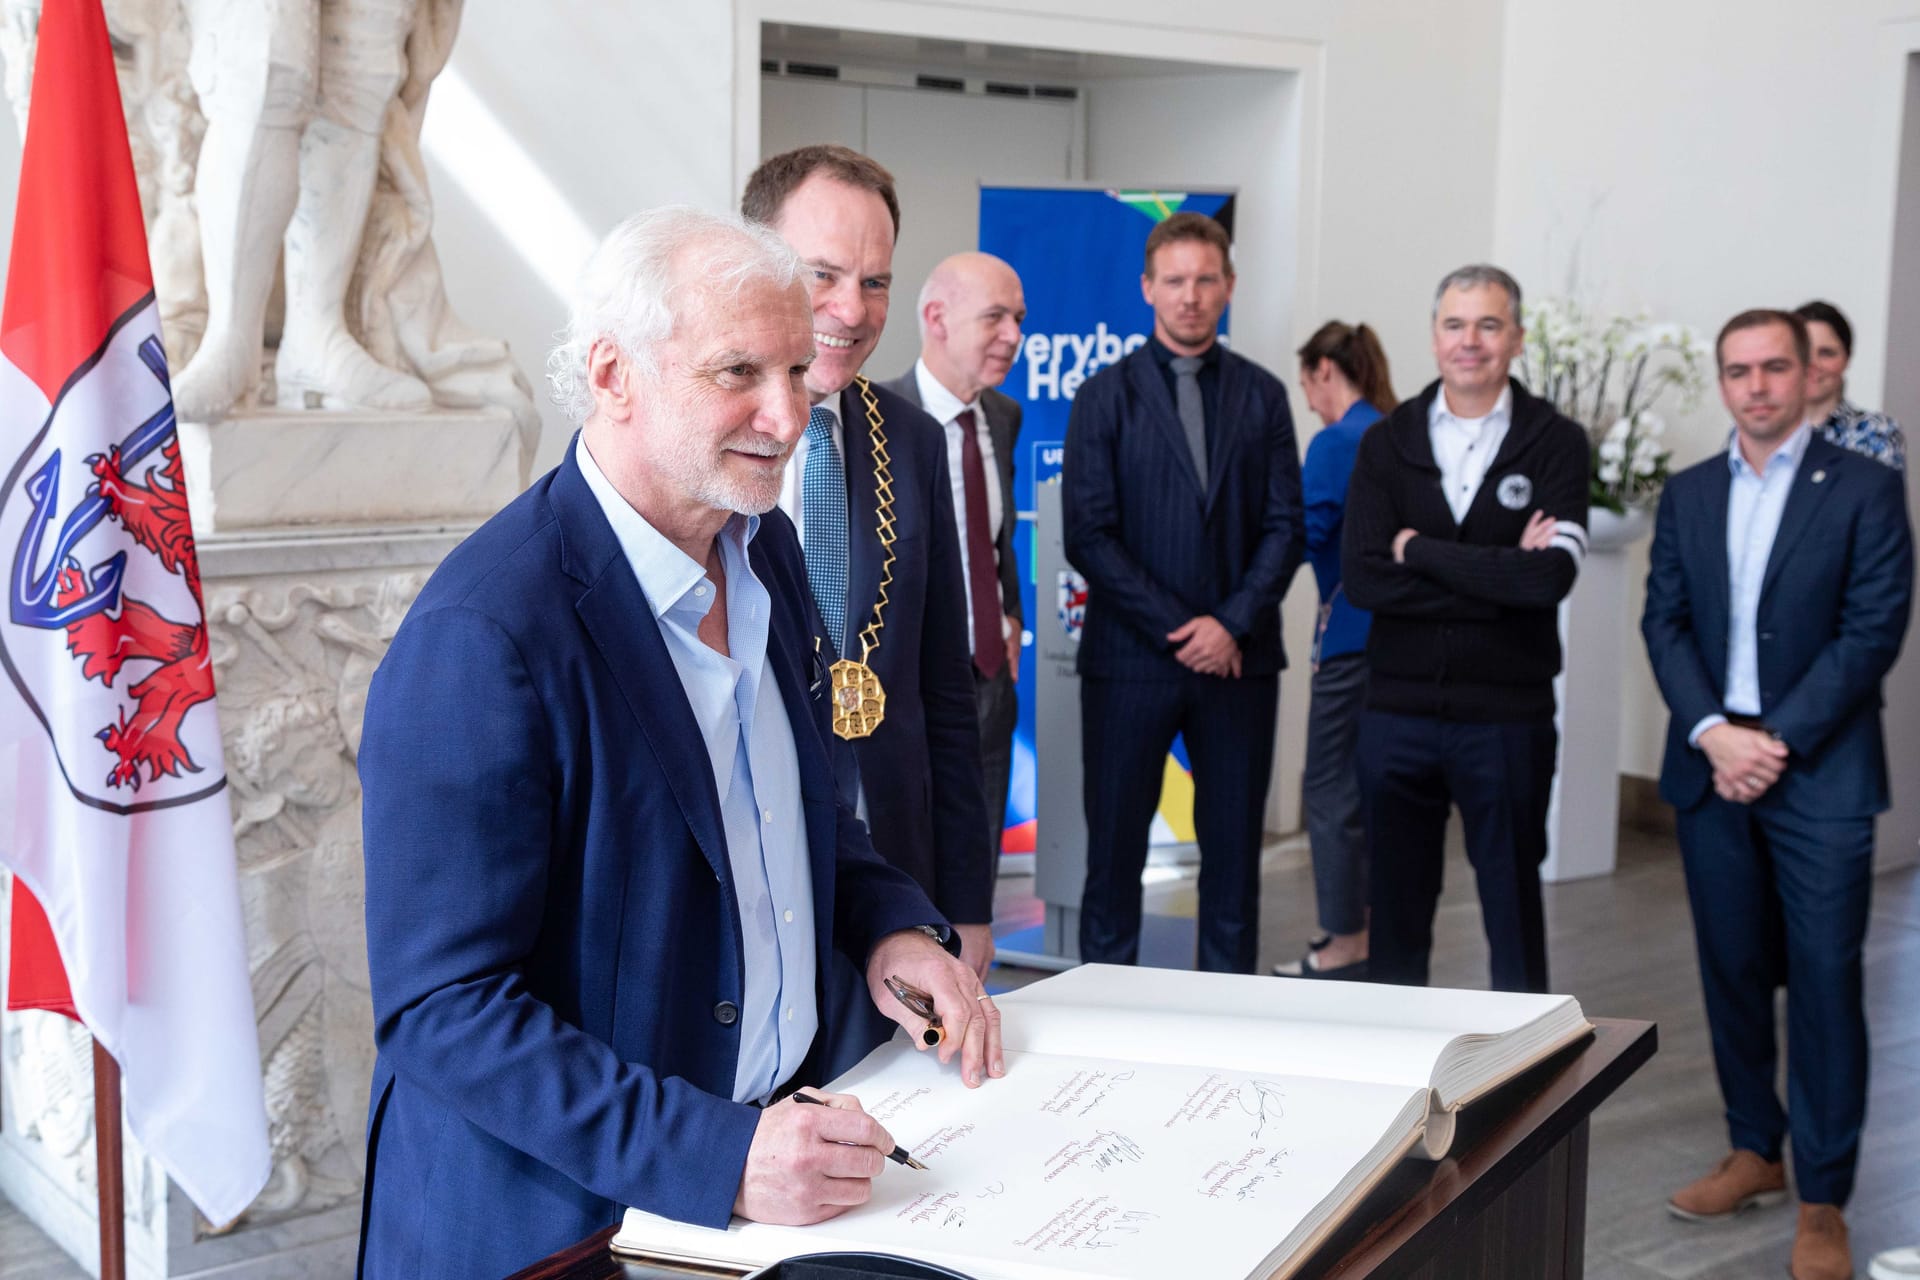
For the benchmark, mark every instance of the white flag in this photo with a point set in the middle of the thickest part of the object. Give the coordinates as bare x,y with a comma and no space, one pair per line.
113,803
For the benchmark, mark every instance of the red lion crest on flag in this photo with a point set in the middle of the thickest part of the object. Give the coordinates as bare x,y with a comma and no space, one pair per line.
133,622
155,515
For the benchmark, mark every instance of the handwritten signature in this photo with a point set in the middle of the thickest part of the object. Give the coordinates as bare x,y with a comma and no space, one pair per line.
1120,1149
1112,1234
1266,1104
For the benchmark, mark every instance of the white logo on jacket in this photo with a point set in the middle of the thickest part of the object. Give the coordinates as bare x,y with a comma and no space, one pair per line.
1514,492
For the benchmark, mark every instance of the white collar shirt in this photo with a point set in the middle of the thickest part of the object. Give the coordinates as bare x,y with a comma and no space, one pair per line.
737,706
1464,448
1755,502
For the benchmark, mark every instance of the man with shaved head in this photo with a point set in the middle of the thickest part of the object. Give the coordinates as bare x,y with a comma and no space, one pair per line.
971,309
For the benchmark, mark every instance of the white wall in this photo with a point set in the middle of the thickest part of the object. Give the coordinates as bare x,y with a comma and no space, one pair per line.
1899,834
589,110
1697,159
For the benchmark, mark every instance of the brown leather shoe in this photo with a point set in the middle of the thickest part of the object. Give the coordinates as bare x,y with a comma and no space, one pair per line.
1741,1181
1820,1249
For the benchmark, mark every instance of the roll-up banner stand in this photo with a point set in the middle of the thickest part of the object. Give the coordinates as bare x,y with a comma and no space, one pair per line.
1079,253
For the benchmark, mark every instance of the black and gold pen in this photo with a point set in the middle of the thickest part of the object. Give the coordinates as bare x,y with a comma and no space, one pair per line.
898,1155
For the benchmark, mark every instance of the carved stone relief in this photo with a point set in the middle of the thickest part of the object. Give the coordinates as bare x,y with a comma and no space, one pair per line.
294,660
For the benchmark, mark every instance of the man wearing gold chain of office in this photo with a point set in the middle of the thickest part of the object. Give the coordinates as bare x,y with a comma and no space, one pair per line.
867,488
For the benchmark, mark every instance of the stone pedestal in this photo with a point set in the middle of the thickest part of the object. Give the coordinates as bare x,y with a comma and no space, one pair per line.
285,469
1583,815
300,609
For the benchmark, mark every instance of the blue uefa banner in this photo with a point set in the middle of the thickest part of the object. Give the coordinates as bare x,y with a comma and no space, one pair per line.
1078,253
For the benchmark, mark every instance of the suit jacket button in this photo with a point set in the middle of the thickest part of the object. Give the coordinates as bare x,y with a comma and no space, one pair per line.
726,1013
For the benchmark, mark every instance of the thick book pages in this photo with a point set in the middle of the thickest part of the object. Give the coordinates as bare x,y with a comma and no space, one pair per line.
1155,1123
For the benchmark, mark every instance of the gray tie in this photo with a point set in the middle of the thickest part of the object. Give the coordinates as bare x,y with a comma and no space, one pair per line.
1193,415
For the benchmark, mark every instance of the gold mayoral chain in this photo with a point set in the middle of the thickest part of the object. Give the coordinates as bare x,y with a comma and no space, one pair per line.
859,703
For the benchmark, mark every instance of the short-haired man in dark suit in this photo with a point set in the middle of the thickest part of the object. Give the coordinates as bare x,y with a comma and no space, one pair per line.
1466,524
1182,510
1778,592
867,486
971,309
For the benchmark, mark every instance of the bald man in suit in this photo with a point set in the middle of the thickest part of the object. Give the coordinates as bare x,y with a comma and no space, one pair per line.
970,312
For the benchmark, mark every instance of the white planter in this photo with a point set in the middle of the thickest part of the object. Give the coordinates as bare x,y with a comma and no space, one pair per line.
1609,532
1584,812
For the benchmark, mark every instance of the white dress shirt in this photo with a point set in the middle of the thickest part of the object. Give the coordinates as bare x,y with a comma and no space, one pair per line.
737,705
793,483
1464,447
944,407
1755,502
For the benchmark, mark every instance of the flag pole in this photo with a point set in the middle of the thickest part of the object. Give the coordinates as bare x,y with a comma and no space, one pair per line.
106,1146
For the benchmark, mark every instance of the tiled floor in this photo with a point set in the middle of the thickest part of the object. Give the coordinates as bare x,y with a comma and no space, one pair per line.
1623,945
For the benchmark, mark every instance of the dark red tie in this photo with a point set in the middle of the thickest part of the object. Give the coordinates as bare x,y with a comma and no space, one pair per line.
989,650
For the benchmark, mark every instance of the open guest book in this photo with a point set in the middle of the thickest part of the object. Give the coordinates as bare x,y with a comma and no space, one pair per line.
1154,1122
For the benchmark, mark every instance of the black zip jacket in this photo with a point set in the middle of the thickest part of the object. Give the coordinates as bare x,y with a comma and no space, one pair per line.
1466,628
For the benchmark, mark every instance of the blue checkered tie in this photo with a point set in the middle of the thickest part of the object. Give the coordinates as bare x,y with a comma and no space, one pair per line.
823,496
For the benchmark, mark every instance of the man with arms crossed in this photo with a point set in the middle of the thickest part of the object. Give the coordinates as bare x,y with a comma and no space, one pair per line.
1182,510
868,491
603,863
971,309
1778,591
1466,523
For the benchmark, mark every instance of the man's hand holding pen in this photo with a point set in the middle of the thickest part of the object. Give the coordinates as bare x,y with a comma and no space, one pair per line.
811,1163
808,1164
957,997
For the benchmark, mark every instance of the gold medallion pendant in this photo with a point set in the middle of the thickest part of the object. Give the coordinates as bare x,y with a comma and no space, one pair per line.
859,703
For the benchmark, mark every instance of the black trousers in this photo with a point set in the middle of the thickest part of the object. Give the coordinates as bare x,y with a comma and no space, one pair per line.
1127,727
1412,770
1330,794
998,705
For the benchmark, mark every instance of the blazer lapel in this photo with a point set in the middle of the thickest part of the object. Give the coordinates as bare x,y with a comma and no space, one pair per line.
1000,430
1151,390
1812,479
863,505
1714,616
615,613
1227,435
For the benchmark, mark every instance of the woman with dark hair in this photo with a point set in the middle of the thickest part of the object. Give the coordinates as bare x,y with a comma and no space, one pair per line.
1343,372
1829,351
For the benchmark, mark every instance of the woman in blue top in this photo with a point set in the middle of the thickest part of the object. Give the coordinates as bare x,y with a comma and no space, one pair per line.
1344,374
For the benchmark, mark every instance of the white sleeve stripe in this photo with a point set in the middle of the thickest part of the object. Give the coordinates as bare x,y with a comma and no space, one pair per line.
1571,546
1571,529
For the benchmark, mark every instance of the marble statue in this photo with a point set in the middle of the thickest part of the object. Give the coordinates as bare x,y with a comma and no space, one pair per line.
277,143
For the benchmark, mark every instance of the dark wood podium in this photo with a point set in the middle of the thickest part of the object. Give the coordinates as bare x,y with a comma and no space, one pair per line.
1509,1203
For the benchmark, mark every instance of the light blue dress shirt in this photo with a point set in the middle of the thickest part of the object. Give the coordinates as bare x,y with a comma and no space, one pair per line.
756,773
1755,501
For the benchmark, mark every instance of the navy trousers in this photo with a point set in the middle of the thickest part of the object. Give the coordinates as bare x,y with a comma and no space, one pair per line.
1777,895
1412,769
1127,727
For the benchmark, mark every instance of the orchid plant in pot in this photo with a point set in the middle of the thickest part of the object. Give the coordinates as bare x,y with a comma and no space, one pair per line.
1608,374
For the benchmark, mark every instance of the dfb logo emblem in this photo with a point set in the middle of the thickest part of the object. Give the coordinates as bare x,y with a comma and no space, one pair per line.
1514,492
104,635
1071,600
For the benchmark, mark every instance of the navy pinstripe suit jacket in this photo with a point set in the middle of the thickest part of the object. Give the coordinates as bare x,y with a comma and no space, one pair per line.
1157,544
